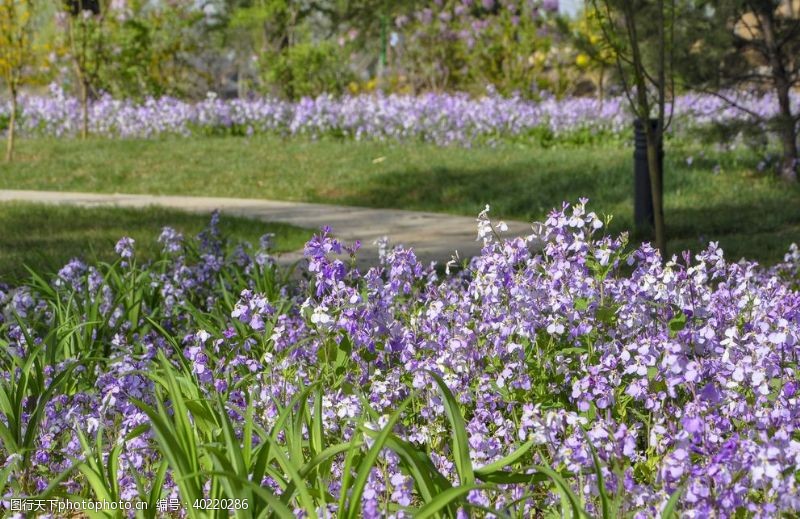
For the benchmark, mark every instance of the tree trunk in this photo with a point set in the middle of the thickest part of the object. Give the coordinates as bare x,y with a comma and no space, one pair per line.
786,123
655,140
788,135
84,110
642,109
600,84
656,188
789,163
12,123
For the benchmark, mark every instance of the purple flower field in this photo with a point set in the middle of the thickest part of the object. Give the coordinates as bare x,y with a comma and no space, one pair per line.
558,374
443,119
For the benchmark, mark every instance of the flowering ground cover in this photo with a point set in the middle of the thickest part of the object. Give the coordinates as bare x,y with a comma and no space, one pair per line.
711,194
559,374
442,119
44,238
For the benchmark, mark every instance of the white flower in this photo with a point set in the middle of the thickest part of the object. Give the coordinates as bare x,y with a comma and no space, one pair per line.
383,246
320,316
452,263
485,230
92,424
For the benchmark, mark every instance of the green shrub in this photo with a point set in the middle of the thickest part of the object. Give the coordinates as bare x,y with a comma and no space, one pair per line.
308,69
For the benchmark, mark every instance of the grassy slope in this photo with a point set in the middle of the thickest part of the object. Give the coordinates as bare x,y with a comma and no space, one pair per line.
46,237
751,214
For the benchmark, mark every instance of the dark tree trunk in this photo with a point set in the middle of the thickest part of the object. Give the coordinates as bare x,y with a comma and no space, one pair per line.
786,125
84,110
789,163
12,124
656,183
652,134
788,136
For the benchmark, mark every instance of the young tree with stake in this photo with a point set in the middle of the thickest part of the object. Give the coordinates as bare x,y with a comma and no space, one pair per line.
640,34
85,34
16,53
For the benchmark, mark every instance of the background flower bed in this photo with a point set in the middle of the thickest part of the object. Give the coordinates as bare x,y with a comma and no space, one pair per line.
227,381
442,119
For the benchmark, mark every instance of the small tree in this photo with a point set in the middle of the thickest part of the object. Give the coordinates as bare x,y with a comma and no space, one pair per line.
16,53
280,33
640,36
586,35
85,35
156,49
293,46
755,44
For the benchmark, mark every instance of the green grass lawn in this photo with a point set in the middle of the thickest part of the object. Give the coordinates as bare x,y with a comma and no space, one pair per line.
749,213
46,237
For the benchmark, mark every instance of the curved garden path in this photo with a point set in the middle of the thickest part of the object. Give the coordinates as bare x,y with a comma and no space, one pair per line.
433,236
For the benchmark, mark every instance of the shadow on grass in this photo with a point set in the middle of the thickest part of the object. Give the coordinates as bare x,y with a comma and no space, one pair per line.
45,238
751,216
756,231
518,190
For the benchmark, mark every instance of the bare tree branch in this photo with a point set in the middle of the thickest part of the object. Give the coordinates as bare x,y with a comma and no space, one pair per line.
733,103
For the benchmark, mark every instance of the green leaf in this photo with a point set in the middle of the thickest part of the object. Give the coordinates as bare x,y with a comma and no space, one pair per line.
609,511
570,503
606,314
677,323
275,505
427,478
581,304
573,350
350,461
672,503
369,461
458,433
522,476
505,461
445,499
292,470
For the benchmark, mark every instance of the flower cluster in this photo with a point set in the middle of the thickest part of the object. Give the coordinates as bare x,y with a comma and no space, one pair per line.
443,119
627,375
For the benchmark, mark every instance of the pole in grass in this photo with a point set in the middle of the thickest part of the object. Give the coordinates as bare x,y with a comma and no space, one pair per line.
643,213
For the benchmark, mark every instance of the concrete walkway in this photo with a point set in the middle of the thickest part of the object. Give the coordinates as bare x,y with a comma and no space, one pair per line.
433,236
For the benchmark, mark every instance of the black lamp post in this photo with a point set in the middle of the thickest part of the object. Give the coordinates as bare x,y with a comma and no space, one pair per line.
643,214
76,7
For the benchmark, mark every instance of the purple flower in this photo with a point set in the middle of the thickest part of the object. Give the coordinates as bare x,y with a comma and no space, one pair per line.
692,424
124,247
676,374
171,240
550,5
